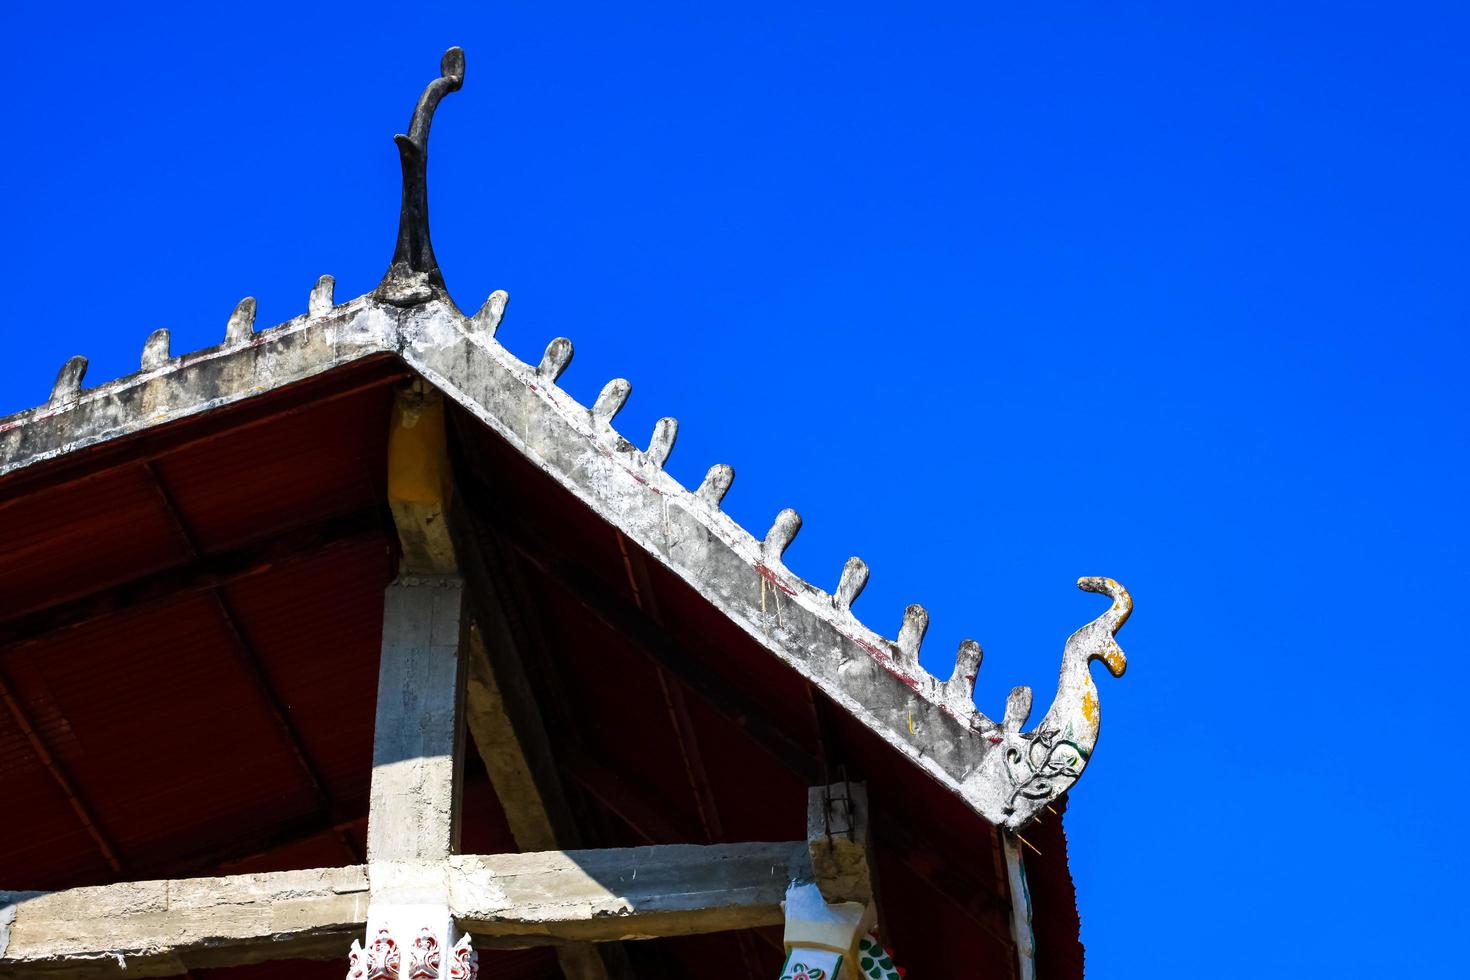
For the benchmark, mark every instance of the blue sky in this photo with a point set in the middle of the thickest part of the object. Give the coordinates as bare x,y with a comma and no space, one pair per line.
994,295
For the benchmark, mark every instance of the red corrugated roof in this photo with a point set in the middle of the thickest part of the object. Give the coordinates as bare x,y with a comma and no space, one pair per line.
189,625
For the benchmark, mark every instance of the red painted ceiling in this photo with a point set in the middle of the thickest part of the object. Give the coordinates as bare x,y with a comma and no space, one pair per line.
189,629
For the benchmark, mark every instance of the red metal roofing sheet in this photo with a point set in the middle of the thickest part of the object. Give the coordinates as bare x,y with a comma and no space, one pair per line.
73,540
160,728
151,712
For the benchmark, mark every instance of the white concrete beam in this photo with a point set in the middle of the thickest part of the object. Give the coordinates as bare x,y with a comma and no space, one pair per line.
516,900
163,928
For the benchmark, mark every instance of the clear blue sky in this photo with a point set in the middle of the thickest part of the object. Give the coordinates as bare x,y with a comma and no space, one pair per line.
995,295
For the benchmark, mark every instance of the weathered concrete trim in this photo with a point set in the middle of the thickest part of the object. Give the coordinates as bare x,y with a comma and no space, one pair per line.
999,772
162,928
244,365
513,900
1005,775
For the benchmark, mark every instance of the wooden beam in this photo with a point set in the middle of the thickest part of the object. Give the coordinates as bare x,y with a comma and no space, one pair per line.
261,556
600,599
685,734
420,484
249,661
619,798
1021,929
503,717
972,895
951,883
85,816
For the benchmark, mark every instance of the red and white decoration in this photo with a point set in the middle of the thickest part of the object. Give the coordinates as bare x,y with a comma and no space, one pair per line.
464,962
382,959
378,962
423,959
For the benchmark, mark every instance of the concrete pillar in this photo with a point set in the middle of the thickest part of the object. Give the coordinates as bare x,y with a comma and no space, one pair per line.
413,816
829,917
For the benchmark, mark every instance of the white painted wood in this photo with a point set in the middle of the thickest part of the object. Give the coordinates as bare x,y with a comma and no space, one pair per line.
1020,908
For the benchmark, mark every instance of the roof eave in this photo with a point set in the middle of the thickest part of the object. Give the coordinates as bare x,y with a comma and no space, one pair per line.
1003,774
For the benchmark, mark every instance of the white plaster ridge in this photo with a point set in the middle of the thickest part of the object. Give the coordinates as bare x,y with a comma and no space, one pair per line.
1004,774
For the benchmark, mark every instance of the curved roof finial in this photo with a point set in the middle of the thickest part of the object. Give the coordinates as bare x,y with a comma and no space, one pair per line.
413,277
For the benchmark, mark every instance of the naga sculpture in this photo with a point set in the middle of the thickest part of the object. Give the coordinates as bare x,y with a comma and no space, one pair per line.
1041,764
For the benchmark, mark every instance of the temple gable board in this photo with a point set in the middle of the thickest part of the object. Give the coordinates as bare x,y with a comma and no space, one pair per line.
356,647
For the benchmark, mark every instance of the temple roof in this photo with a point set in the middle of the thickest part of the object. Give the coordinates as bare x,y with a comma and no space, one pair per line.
249,474
877,679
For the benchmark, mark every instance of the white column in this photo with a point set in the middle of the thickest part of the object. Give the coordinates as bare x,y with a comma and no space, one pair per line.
413,816
829,917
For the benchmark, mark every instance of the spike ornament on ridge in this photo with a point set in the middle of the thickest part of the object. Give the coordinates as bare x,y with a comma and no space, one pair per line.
413,276
155,350
554,362
241,326
716,484
665,431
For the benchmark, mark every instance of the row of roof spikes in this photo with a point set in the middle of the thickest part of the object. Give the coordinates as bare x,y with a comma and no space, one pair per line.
956,694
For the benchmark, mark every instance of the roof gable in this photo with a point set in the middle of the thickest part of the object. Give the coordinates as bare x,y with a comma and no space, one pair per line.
1004,774
768,655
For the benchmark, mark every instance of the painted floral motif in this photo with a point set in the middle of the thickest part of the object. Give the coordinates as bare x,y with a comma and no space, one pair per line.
876,962
800,971
464,962
381,960
1050,762
423,958
378,962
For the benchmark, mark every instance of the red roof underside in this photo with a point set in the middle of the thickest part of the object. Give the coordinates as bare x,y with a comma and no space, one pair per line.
189,630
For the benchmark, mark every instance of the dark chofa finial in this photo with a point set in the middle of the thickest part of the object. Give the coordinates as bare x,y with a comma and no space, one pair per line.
414,277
